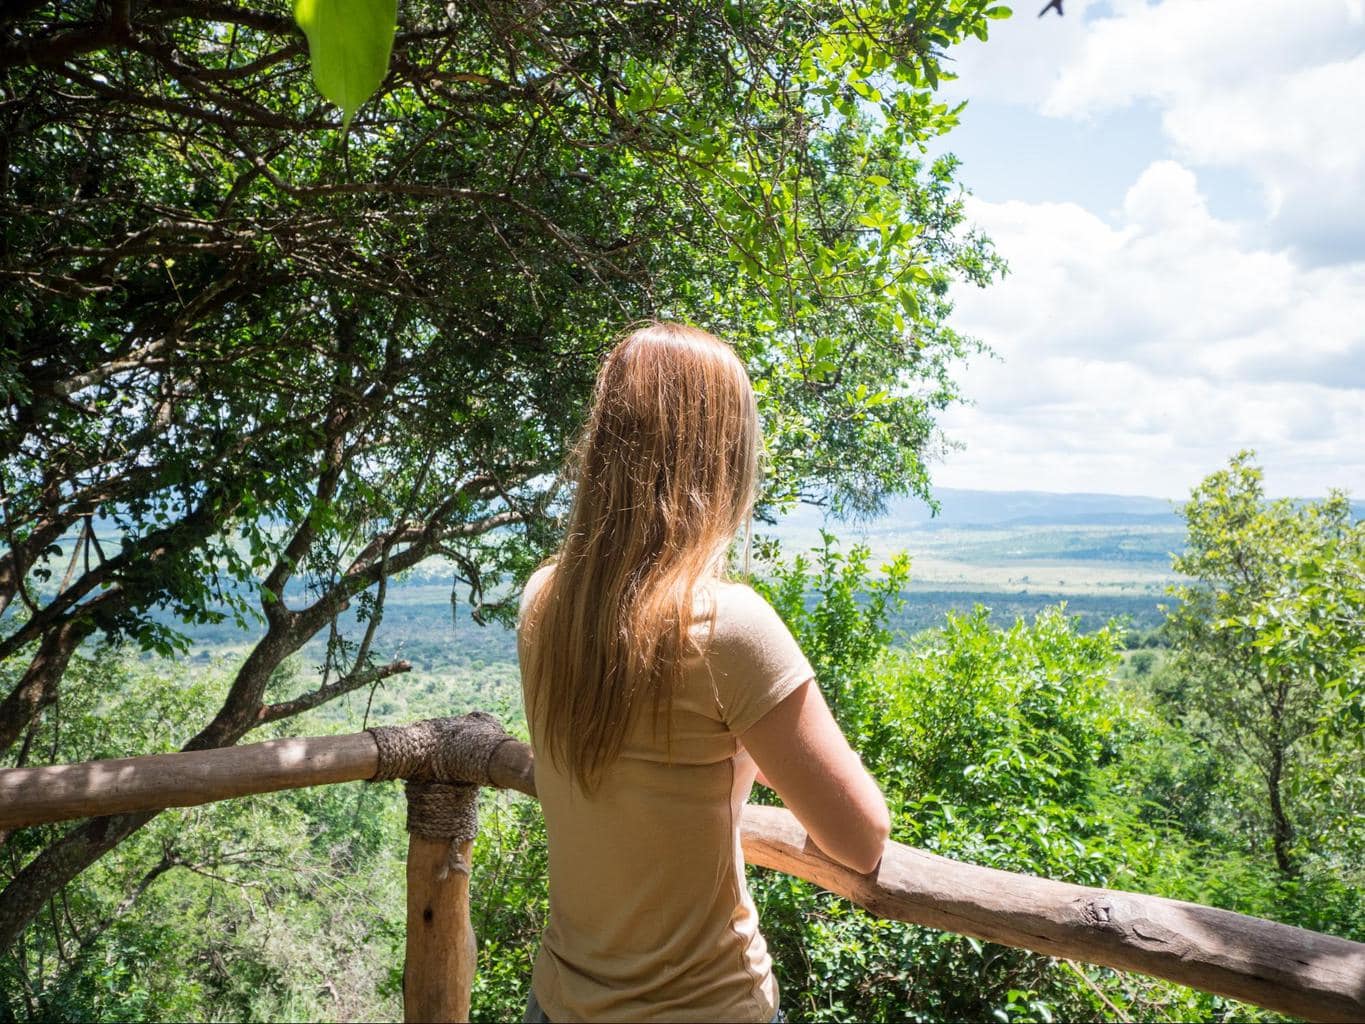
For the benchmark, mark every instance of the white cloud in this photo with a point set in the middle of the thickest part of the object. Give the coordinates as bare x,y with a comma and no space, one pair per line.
1271,88
1137,356
1020,60
1183,48
1142,347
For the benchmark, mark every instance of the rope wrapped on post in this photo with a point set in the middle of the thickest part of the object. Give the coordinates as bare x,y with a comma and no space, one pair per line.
444,761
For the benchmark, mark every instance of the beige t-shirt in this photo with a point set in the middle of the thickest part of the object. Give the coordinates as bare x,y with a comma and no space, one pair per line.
650,916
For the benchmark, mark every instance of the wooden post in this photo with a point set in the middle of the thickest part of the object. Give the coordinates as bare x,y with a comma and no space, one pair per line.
439,969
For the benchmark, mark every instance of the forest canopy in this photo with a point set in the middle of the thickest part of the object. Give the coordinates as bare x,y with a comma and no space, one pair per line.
255,364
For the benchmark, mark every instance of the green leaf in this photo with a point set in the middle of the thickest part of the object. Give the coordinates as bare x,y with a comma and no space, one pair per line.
349,42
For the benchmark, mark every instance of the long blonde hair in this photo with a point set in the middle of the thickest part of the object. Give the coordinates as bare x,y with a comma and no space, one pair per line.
665,474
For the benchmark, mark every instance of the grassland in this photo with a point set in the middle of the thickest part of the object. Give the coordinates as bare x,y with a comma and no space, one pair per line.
1104,560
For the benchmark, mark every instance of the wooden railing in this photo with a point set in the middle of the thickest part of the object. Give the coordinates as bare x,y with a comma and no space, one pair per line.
1292,970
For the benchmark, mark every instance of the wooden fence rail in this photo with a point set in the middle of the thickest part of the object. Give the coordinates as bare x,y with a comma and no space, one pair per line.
1292,970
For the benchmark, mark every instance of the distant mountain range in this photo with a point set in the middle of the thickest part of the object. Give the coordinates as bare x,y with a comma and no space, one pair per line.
1030,508
966,508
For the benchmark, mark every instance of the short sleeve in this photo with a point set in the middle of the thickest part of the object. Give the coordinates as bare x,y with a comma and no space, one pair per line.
754,661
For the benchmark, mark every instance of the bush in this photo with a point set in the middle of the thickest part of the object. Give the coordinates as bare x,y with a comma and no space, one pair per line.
1006,747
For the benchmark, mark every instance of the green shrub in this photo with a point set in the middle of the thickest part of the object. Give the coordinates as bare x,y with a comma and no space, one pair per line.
1002,746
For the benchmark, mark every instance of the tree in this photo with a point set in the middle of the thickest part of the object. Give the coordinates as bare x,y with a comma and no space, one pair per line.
1270,638
255,366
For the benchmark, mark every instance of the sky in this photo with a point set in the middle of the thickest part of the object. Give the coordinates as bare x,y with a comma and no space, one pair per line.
1179,190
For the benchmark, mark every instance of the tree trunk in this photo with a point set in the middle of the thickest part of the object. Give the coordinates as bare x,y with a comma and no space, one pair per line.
38,686
66,858
1283,829
44,876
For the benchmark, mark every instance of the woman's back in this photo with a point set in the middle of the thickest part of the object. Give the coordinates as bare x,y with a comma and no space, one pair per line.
645,680
650,917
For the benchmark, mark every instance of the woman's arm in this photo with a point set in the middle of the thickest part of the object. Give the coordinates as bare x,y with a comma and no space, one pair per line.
802,754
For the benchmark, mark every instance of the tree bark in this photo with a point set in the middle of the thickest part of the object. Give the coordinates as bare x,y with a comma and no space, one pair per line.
37,687
45,875
1282,829
15,561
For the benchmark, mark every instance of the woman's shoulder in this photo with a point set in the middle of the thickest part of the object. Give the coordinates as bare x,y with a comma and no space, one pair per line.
535,584
740,610
736,595
752,660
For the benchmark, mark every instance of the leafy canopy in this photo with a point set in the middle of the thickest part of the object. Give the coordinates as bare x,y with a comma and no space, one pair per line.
255,367
1270,646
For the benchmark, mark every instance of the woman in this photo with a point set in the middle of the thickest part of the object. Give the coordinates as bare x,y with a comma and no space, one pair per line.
656,692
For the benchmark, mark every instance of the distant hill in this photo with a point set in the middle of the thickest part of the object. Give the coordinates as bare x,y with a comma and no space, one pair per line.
1032,508
965,508
968,508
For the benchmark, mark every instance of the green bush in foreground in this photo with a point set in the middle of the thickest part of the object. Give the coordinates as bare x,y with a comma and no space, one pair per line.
1007,747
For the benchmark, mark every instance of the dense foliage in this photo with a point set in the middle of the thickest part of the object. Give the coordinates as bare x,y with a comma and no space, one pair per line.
1014,747
1027,747
254,366
1271,655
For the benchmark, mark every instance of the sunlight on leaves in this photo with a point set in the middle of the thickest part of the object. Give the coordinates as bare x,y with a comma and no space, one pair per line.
349,42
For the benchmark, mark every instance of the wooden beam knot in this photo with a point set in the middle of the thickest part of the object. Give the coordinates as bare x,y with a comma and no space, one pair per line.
445,761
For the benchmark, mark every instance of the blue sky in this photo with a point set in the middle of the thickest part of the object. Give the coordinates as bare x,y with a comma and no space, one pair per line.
1179,189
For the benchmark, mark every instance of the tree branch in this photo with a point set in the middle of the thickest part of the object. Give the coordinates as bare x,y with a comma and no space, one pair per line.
353,681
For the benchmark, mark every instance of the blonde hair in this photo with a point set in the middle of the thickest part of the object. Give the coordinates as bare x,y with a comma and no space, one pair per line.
665,473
